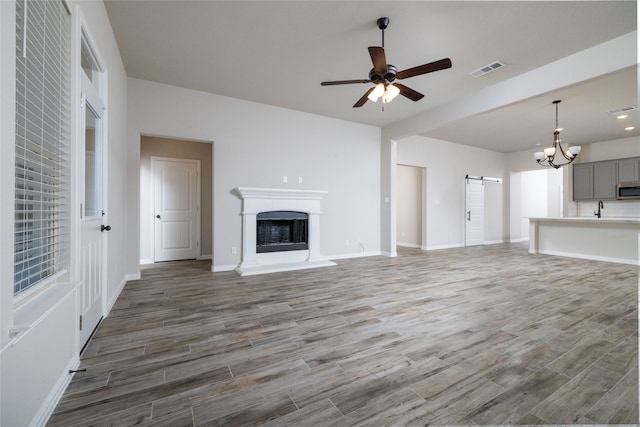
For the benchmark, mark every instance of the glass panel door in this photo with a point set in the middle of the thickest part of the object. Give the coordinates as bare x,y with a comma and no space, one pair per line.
92,163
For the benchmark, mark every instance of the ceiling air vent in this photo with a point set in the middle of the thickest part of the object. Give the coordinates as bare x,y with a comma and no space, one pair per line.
622,110
487,69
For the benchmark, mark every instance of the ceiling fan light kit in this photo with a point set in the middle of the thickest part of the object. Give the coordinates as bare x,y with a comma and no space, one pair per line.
382,75
386,92
547,157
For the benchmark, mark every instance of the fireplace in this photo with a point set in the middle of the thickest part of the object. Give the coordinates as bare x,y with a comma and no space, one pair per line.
280,230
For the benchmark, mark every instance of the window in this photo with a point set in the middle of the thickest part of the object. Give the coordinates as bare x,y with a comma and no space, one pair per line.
91,116
41,245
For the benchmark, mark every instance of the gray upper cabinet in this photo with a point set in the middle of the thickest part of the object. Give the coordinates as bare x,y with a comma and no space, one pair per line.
604,180
628,170
583,181
598,180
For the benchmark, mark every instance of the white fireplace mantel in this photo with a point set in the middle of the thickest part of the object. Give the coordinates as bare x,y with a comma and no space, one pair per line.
257,200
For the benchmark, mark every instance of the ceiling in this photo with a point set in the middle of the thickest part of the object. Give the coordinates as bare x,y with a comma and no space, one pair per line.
278,52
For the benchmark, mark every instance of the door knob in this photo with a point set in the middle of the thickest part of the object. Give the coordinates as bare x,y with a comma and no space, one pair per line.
158,216
105,227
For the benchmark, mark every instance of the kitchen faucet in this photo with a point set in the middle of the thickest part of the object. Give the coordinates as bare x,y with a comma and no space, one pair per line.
598,213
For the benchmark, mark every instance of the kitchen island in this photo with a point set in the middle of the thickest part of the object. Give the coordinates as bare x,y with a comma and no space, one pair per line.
602,239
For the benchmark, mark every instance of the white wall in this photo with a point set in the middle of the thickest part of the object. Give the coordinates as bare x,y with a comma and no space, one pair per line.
255,145
34,363
447,164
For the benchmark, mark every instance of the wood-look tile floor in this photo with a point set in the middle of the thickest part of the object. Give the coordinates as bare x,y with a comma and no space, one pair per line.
481,335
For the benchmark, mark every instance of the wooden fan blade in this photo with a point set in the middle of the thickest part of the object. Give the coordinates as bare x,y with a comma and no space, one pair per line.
424,69
344,82
408,92
379,59
364,98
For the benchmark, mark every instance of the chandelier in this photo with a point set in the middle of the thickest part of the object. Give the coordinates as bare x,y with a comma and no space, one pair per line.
548,156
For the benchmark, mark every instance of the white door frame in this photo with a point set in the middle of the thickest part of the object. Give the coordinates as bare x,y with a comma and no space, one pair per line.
198,236
93,241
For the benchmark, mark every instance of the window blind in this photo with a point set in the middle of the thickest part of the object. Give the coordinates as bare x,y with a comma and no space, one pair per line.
41,225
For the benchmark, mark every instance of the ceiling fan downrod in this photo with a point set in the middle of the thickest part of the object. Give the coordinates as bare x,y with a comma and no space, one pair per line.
383,23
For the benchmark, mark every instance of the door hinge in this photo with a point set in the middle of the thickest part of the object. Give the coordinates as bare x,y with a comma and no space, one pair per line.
81,322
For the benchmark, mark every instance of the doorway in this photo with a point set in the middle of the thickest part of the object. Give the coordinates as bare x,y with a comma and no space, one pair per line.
535,193
161,147
410,210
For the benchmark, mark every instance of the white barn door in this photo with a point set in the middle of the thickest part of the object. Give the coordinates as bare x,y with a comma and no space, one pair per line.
474,221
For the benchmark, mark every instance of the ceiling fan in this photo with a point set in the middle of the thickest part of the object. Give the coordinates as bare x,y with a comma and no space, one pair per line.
383,75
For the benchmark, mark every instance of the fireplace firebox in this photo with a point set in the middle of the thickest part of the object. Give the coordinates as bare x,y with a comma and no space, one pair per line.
279,231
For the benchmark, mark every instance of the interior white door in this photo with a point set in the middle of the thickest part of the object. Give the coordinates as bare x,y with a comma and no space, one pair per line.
176,208
93,238
474,221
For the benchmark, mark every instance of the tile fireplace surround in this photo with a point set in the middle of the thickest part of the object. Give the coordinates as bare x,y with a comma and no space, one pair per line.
257,200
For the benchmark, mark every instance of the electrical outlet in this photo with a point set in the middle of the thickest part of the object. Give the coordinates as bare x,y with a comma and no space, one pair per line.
284,178
347,242
299,180
234,250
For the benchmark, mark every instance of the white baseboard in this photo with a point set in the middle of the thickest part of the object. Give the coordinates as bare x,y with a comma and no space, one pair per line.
115,296
436,247
590,257
134,276
354,255
52,400
145,261
493,242
519,240
409,245
220,268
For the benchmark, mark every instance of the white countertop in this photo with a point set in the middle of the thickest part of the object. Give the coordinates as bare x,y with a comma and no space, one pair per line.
590,219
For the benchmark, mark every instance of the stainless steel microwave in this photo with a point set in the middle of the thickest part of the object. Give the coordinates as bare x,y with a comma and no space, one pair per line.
628,190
